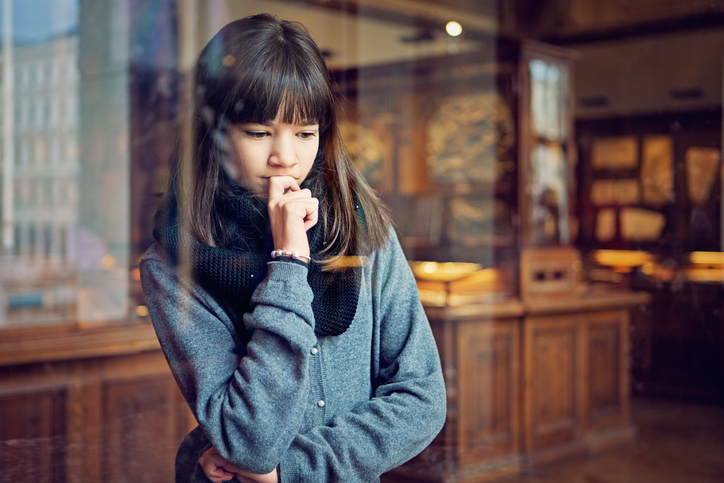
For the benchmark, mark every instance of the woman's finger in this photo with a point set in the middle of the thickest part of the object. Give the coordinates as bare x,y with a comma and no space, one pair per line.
312,216
215,473
279,185
291,208
292,211
213,465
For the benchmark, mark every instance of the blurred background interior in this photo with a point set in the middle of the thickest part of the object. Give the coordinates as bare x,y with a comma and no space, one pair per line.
554,171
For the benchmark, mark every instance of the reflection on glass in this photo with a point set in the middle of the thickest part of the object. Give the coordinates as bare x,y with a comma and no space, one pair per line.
469,138
40,161
549,191
548,99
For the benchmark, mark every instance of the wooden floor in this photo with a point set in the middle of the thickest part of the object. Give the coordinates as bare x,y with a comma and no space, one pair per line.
675,443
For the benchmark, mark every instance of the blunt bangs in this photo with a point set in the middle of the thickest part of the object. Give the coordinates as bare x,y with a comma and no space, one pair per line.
282,78
284,93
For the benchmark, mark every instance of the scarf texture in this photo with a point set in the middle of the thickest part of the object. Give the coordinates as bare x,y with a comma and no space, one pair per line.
233,269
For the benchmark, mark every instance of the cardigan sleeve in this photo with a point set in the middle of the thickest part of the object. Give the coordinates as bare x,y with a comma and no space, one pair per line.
408,407
248,400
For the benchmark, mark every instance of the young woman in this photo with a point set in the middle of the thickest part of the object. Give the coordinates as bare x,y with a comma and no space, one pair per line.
277,287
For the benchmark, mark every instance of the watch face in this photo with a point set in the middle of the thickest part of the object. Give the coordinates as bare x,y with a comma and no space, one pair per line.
469,138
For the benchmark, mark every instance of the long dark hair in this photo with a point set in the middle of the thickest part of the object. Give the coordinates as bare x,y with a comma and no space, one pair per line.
247,73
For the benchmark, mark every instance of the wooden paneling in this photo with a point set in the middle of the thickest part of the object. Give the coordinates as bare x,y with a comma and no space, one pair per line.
480,356
139,416
603,352
576,395
32,440
112,413
488,360
527,384
551,364
606,393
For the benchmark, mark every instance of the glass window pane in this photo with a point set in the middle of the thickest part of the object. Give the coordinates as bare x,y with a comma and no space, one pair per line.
65,147
505,136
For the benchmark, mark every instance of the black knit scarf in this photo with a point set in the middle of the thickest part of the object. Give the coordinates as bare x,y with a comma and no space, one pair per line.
234,269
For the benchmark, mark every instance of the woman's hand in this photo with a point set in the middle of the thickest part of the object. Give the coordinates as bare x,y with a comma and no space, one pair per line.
217,469
292,211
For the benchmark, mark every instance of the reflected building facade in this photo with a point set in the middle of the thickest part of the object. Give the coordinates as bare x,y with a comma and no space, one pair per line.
38,264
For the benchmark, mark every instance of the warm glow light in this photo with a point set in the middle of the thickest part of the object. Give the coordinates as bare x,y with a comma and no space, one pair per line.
228,60
108,262
648,268
443,272
621,258
453,29
707,258
142,311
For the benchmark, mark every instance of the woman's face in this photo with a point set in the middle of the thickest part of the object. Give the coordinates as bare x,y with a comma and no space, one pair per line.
256,152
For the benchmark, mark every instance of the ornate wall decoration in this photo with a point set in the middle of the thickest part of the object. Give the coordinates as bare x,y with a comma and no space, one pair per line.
615,192
615,153
639,224
369,153
702,168
469,137
657,170
605,224
478,220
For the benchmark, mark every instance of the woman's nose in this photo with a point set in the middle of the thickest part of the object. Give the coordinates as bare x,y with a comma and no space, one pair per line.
283,153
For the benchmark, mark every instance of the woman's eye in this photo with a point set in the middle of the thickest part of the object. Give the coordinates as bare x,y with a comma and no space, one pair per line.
306,135
256,134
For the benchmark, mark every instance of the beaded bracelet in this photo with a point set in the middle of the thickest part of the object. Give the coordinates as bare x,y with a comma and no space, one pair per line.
294,255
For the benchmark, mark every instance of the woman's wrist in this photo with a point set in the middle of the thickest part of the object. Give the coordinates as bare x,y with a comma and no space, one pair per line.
277,254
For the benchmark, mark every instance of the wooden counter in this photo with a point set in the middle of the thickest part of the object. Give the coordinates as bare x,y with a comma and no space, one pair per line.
586,302
74,341
95,403
528,383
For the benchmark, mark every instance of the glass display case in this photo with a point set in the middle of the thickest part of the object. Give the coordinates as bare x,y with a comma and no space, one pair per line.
546,150
473,152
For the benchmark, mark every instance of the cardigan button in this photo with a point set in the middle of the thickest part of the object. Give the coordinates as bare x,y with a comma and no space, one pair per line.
321,403
314,351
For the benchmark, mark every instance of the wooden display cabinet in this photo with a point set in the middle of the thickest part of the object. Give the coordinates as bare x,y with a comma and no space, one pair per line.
480,170
445,130
652,184
480,350
82,404
473,152
528,383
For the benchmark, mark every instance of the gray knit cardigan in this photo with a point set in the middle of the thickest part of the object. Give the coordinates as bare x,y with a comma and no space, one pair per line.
331,409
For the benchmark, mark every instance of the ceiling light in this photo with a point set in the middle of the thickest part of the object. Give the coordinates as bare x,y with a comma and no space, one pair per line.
453,29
